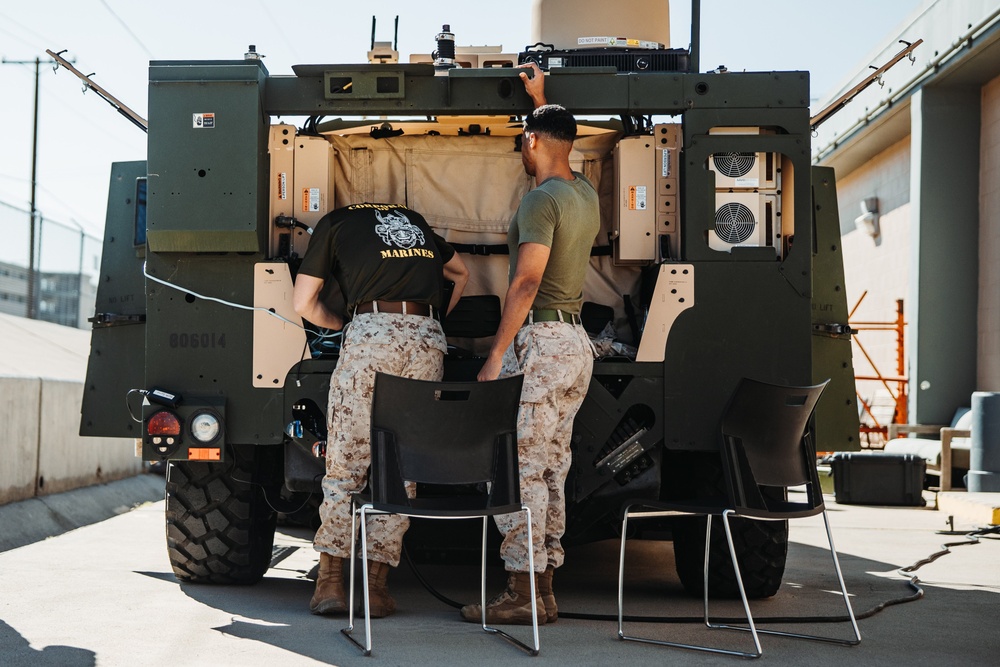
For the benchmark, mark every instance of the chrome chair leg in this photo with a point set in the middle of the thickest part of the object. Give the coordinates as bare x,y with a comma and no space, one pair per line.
660,642
752,629
534,609
366,648
621,573
843,586
843,590
482,578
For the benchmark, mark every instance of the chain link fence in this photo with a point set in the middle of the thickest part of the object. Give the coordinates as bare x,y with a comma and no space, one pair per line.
67,265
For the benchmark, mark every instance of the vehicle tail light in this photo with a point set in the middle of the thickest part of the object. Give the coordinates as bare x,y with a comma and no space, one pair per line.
205,427
163,423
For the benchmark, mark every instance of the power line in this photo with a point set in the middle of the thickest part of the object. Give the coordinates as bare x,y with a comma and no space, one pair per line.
23,27
127,29
275,23
8,32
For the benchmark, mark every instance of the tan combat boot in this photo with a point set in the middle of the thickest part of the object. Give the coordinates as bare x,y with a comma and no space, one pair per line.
511,607
548,598
381,602
329,597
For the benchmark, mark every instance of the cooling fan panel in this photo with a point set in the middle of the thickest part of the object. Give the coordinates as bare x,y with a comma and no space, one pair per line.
743,220
734,165
734,222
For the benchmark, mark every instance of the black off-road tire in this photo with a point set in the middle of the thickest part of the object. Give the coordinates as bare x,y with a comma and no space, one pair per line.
761,546
220,527
761,549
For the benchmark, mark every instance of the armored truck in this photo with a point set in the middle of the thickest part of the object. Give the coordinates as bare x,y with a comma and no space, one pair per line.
718,259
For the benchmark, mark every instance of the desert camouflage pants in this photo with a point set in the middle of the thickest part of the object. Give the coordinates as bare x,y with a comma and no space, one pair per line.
405,345
557,362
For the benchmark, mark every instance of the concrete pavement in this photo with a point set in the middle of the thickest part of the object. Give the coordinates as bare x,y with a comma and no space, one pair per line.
104,594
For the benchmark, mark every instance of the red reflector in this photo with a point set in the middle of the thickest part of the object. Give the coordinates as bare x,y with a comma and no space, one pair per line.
204,454
163,423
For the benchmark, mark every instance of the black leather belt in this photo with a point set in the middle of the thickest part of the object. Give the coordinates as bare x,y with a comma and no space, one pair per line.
412,308
536,315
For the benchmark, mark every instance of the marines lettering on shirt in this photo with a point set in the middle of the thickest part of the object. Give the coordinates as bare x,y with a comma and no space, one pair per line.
382,252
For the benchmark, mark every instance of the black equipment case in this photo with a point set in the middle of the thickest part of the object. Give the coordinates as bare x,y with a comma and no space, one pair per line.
878,479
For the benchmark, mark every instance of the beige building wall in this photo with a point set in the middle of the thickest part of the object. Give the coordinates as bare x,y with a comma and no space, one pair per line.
880,268
988,374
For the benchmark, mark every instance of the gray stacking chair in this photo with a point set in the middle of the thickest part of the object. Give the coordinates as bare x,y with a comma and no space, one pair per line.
765,444
457,434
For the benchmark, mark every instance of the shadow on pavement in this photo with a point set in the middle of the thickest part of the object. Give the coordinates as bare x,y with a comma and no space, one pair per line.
427,631
15,650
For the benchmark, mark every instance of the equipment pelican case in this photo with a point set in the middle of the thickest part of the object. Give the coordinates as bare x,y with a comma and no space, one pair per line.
863,478
719,258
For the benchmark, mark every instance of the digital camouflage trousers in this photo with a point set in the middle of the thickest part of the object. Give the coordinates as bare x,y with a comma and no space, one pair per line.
410,346
557,361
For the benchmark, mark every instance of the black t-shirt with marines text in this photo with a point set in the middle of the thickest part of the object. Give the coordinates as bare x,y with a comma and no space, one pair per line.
379,252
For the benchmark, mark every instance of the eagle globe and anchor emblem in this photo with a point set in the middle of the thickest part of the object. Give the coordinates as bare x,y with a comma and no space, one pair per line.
394,228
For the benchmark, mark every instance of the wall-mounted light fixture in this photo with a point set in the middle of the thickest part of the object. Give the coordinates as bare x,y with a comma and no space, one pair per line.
867,222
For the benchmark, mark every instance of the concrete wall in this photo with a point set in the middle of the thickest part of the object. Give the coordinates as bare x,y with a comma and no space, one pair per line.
41,449
988,377
886,176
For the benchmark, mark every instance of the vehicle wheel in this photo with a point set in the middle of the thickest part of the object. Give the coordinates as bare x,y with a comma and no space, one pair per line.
220,527
761,548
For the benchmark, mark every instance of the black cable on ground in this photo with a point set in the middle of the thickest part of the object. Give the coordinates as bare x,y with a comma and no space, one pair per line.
912,581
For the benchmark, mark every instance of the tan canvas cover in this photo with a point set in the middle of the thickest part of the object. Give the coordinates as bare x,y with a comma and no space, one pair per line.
468,187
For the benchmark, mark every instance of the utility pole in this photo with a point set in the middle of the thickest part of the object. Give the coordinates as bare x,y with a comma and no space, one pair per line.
32,268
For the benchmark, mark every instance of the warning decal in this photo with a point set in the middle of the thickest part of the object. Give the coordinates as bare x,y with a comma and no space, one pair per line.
310,200
637,197
283,185
203,120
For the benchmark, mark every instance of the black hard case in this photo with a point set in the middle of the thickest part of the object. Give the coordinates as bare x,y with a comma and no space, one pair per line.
878,479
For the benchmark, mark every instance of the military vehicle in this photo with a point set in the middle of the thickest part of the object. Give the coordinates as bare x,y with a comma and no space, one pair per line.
719,258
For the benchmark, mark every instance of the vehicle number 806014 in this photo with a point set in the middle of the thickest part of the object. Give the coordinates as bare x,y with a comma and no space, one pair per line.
196,340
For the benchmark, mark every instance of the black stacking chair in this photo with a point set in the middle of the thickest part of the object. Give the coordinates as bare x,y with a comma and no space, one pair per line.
458,434
765,443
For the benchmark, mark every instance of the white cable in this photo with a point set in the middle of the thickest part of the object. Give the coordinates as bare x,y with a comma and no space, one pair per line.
235,305
129,407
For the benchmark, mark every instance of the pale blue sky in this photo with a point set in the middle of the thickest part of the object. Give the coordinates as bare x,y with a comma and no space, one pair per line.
80,135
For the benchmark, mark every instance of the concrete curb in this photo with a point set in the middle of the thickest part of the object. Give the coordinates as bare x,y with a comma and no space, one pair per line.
38,518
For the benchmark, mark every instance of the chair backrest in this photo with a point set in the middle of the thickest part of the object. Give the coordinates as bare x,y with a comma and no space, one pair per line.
962,419
445,433
766,442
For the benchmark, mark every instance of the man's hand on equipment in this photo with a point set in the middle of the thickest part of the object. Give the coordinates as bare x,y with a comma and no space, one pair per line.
534,84
490,370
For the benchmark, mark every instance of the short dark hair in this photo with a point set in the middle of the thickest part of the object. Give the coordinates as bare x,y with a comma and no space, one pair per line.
552,120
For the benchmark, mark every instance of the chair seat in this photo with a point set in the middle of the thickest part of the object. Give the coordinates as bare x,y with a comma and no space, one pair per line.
444,506
709,505
777,509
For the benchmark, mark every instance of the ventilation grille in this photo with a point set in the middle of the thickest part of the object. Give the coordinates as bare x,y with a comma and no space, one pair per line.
734,222
734,165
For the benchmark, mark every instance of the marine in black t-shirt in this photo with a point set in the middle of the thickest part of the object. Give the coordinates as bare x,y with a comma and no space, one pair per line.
380,252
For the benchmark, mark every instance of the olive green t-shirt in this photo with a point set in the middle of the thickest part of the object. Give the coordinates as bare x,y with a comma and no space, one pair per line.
565,216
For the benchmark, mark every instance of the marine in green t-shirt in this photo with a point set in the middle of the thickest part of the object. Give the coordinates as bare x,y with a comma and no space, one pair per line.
563,215
550,238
